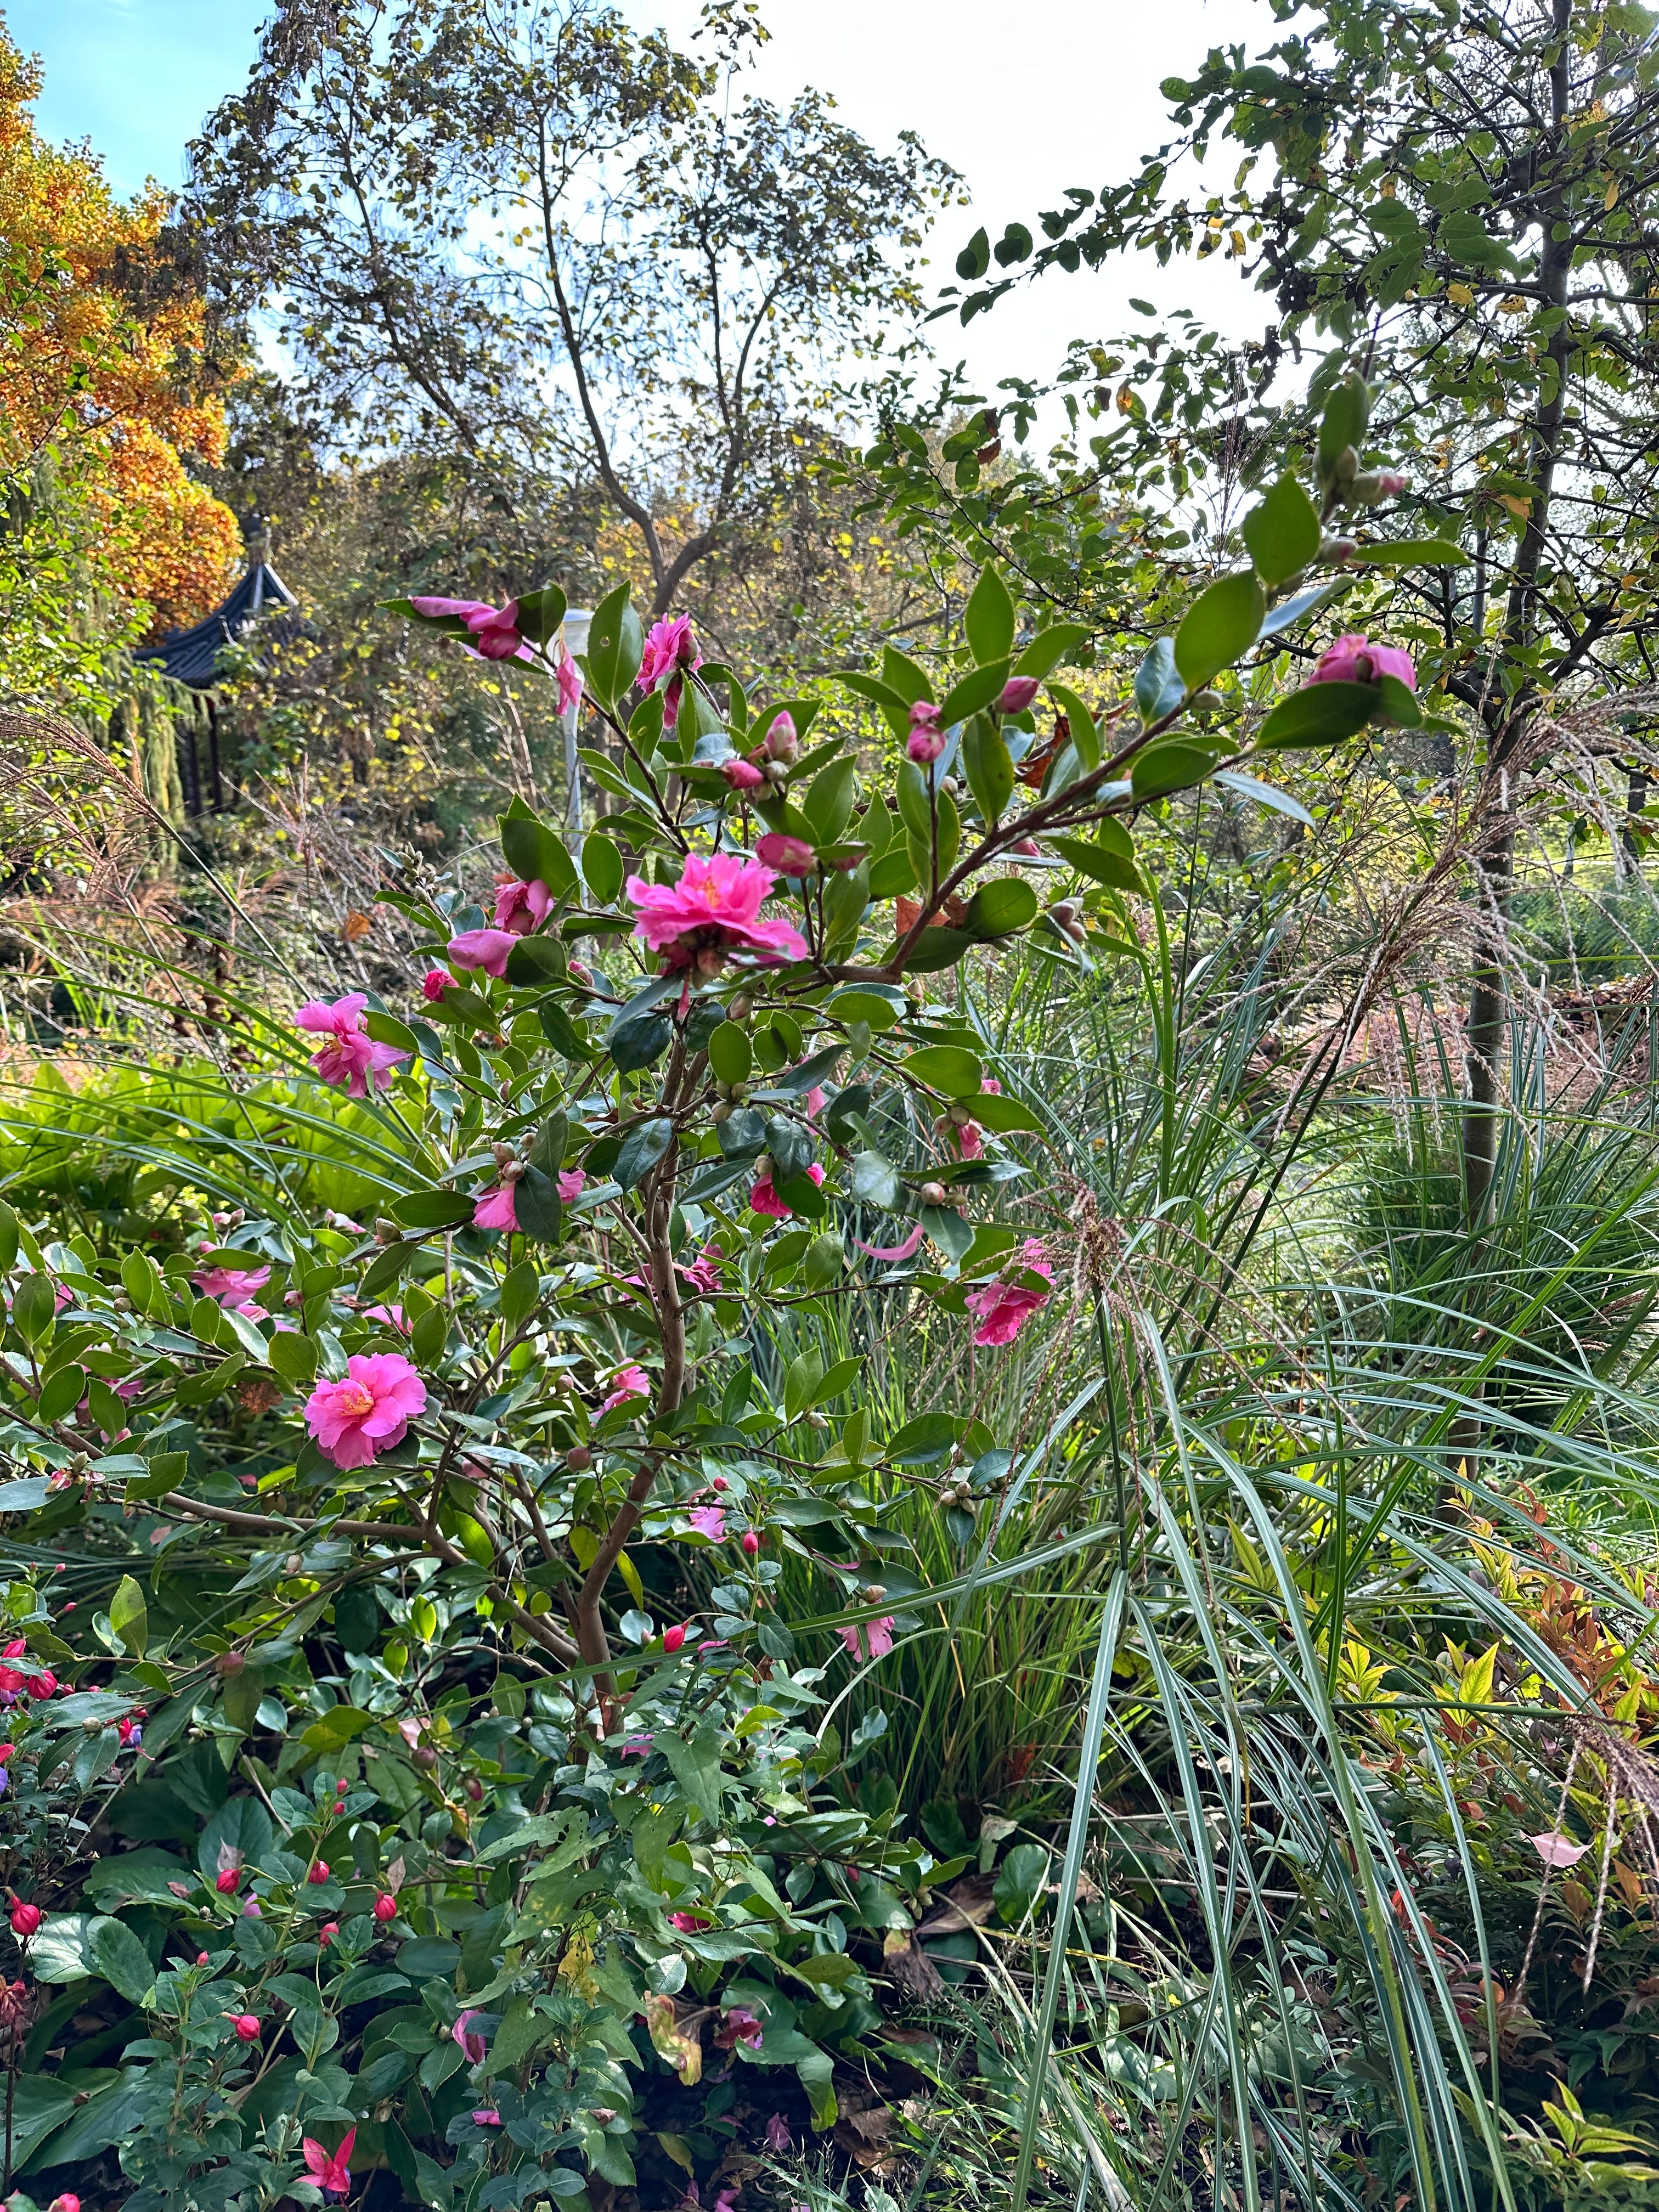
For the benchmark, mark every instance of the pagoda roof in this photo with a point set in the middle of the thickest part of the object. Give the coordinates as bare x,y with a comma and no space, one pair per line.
191,656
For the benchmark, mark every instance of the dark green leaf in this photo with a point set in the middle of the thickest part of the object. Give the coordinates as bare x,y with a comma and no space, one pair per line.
1106,867
1168,767
1319,714
534,853
536,1207
641,1149
988,766
615,644
1000,908
951,1069
637,1039
432,1209
1159,689
873,1180
602,865
978,689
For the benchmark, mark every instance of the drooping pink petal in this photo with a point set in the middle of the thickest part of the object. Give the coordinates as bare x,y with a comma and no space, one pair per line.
892,1251
1556,1849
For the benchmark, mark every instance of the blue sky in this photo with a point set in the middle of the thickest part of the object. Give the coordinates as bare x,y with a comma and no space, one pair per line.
1023,100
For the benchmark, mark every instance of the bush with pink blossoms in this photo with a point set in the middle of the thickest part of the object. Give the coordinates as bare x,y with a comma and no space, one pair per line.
487,1615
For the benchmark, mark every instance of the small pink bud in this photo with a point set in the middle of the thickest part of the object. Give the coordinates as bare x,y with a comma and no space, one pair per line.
1018,694
1027,849
228,1881
742,774
926,740
782,738
790,856
202,1958
435,983
318,1871
672,1638
750,1542
386,1907
246,2026
328,1931
25,1919
1390,483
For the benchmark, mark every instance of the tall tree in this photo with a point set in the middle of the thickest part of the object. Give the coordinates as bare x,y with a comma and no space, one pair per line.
528,232
103,401
1464,205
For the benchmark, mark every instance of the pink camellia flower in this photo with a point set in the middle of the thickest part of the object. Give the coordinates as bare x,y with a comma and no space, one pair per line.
790,856
741,775
66,2201
495,633
873,1641
521,908
1354,659
716,902
709,1520
369,1412
230,1285
495,1209
778,2137
926,740
627,1383
1018,694
483,948
1390,483
391,1317
468,2038
1003,1308
570,683
738,2025
435,983
704,1273
486,2116
763,1199
690,1923
572,1182
332,2172
352,1058
669,647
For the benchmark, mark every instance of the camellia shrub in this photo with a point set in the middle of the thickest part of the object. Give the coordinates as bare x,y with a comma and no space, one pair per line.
408,1825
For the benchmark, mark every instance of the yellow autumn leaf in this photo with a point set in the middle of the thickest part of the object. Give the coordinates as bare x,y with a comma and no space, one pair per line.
1460,296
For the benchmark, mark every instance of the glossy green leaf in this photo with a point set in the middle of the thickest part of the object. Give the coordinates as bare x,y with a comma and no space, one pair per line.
432,1209
1000,907
1219,628
1104,866
641,1149
615,645
1052,648
979,688
533,853
1158,687
1168,767
989,619
1319,714
988,766
1283,532
951,1069
602,868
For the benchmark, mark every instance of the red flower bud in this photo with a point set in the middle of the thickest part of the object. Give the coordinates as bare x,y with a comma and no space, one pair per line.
672,1638
328,1931
228,1881
25,1919
1018,694
202,1958
750,1542
246,2026
318,1870
386,1907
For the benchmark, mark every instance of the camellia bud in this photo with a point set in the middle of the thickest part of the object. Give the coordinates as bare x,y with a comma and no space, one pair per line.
1028,849
742,774
473,1788
934,1193
782,738
1207,702
927,739
387,1232
740,1008
247,2027
672,1638
579,1458
1337,548
1018,694
424,1755
721,1111
501,1154
228,1881
790,856
1367,490
750,1542
25,1919
777,772
386,1907
873,1593
328,1931
317,1871
66,2201
710,961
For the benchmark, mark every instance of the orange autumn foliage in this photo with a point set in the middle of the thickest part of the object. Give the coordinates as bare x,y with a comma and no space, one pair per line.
101,364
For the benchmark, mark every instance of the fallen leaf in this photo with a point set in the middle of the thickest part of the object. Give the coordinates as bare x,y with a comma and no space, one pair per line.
355,926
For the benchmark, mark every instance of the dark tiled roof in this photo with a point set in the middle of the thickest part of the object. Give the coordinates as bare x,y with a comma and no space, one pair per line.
191,656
